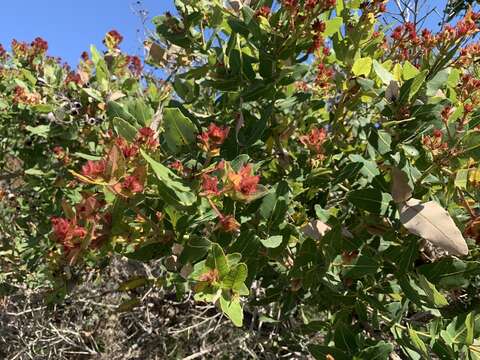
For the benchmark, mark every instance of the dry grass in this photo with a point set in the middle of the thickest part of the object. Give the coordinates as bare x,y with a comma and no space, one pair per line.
88,325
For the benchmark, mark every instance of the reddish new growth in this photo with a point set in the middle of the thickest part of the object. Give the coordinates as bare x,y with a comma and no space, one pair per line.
19,49
374,7
22,96
324,4
228,224
94,169
324,76
85,56
434,143
408,45
113,39
213,138
469,55
314,139
65,231
3,52
263,11
135,65
472,229
210,277
243,181
132,184
176,165
88,208
209,185
446,112
129,150
39,46
319,26
146,137
74,78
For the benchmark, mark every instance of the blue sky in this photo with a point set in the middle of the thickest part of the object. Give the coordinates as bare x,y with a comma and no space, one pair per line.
70,26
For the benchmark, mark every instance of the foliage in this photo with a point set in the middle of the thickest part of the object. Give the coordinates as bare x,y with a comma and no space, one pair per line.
298,148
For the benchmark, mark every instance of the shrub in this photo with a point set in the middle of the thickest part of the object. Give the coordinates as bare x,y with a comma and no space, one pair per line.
295,148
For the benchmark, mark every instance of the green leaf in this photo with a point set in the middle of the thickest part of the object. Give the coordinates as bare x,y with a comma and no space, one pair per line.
218,260
409,71
332,26
142,113
179,130
115,109
417,342
380,351
362,66
148,252
470,327
363,265
233,310
381,141
438,81
236,277
450,272
95,94
382,73
124,129
171,182
40,130
417,83
369,169
372,200
43,108
321,352
432,293
461,179
272,241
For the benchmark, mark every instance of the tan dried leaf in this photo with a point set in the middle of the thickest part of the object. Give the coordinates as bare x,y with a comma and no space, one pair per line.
315,229
401,190
433,223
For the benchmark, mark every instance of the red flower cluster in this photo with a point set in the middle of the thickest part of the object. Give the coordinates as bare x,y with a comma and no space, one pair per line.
243,181
94,169
132,184
65,231
213,138
314,139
